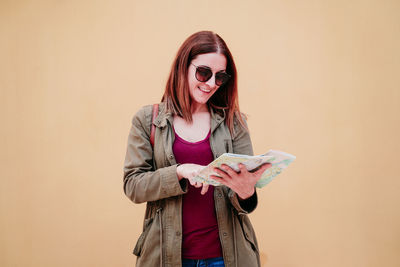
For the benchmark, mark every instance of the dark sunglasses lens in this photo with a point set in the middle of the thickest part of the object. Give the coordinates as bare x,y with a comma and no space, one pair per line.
221,78
203,74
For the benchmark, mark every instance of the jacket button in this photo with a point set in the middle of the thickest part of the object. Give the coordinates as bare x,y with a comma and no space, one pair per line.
171,156
178,233
225,234
219,195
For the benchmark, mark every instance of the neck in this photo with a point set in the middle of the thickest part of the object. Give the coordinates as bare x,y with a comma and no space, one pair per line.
198,108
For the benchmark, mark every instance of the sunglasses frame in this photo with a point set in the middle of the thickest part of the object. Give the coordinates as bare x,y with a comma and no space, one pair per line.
212,74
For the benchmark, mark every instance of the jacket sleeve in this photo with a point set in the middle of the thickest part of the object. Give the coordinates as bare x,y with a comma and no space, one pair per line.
142,182
241,144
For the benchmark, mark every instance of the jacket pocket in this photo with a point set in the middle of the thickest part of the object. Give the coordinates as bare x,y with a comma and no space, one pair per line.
142,238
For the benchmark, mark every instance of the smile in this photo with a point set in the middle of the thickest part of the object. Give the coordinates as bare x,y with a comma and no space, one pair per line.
204,90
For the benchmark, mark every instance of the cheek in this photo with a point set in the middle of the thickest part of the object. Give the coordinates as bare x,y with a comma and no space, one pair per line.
192,87
191,77
192,84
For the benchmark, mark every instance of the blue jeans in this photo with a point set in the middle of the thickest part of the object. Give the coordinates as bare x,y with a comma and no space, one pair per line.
213,262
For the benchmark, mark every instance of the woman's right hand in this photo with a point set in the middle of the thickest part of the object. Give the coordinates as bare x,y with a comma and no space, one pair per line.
189,171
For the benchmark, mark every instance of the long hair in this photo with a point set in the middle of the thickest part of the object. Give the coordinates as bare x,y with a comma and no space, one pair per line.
176,94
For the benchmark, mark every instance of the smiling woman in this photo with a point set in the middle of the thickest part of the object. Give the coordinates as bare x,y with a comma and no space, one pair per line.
188,223
205,84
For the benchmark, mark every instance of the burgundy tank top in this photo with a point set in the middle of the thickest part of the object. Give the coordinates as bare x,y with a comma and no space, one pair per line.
199,221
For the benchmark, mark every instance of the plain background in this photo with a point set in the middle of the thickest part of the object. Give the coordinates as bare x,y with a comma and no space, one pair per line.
318,79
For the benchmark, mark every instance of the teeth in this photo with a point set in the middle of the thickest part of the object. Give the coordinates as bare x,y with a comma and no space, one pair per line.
204,90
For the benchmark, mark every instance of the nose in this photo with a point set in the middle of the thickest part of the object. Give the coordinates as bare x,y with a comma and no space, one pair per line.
211,82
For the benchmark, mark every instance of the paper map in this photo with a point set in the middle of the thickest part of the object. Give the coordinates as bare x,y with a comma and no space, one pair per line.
279,160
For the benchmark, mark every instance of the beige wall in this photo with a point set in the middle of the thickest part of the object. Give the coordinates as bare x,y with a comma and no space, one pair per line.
319,79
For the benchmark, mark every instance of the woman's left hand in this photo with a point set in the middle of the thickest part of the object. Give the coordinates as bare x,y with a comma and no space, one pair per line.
242,182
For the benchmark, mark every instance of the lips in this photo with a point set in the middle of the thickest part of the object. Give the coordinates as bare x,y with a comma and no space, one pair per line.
203,90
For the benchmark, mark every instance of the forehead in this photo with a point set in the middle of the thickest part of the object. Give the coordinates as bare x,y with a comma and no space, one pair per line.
215,61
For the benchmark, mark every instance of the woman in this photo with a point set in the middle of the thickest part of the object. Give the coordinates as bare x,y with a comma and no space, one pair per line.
188,223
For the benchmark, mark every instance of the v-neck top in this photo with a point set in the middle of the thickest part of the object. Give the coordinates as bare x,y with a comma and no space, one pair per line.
199,222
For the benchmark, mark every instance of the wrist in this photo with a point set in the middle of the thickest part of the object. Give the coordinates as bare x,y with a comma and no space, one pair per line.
178,171
246,195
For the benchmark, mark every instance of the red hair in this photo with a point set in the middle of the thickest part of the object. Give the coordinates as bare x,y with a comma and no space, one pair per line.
224,100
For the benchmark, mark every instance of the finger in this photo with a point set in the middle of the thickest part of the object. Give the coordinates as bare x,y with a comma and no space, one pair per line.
242,168
198,184
262,169
204,189
221,180
222,173
231,172
191,182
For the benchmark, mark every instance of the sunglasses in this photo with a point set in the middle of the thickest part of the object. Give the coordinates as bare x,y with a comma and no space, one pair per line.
204,73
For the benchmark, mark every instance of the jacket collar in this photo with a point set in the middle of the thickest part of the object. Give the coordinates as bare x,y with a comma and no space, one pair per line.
216,118
164,117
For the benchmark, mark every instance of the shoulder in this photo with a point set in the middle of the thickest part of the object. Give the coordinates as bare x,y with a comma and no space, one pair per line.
243,117
240,124
143,118
143,114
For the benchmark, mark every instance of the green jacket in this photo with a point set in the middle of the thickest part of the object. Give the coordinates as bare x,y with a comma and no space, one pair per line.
151,177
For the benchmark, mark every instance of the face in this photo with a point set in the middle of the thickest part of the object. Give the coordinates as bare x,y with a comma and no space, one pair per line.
200,92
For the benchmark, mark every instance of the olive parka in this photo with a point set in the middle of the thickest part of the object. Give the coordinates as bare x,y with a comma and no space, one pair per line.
150,176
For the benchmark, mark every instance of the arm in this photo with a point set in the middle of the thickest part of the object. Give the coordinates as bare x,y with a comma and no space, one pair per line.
241,143
141,182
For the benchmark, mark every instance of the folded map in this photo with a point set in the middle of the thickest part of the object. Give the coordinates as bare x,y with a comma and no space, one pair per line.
279,160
